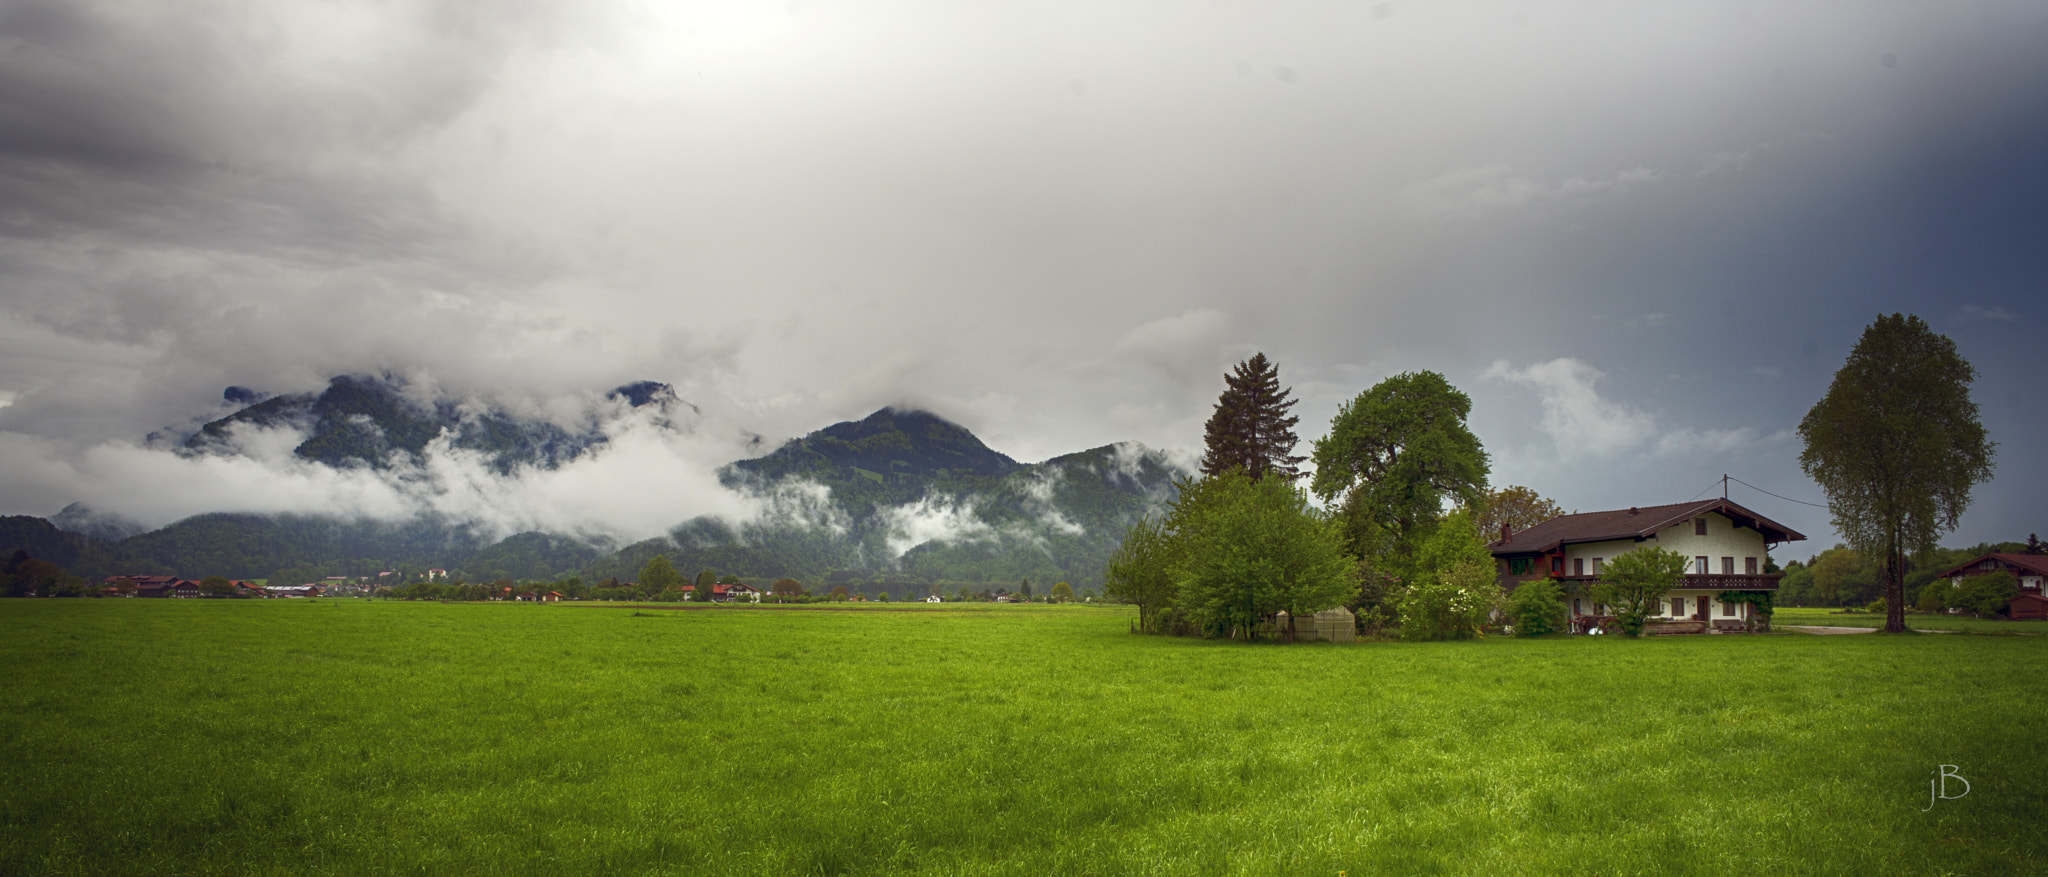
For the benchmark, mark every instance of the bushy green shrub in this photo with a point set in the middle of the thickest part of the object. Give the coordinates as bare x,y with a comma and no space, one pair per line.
1536,608
1986,595
1934,596
1454,604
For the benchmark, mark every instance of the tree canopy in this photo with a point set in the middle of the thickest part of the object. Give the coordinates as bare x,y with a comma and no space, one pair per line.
1141,572
658,575
1232,553
1393,456
1255,548
1515,507
1897,446
1251,429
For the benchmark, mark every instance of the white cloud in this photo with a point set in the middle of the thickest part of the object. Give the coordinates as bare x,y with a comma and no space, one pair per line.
1185,346
1993,314
1479,192
1575,417
933,519
1583,425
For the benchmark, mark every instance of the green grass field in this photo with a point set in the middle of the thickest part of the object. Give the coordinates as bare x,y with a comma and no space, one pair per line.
1785,615
272,737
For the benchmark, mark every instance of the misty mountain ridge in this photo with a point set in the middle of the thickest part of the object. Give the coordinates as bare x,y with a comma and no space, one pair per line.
901,491
373,421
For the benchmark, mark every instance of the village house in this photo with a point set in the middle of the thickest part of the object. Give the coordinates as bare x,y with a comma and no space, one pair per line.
728,592
737,591
1726,546
153,586
2029,570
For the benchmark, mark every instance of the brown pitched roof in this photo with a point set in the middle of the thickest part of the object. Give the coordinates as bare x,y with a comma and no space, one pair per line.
1635,523
2034,563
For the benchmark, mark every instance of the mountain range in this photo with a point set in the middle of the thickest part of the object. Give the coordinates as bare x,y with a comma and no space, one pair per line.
901,496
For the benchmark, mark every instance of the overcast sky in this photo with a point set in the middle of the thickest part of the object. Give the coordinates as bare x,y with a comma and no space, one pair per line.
1641,236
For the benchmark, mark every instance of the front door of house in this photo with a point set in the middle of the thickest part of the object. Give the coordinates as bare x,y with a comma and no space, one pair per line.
1702,613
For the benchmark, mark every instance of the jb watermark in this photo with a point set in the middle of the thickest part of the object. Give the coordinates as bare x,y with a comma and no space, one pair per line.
1937,788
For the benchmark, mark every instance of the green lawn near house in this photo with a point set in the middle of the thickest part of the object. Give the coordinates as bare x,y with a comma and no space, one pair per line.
363,737
1786,615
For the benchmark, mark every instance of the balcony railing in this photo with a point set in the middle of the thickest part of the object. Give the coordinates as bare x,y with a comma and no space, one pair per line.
1696,582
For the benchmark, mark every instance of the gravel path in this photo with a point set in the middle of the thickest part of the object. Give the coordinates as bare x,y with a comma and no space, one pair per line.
1831,631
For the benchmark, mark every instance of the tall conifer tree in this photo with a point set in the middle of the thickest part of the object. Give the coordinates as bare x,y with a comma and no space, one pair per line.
1251,428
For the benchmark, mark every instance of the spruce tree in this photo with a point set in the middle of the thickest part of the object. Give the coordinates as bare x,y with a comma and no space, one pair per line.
1251,428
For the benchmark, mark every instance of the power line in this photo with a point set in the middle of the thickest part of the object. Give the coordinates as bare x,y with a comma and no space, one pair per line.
1717,483
1768,493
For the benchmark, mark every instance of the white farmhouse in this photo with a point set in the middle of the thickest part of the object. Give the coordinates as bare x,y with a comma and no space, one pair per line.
1727,547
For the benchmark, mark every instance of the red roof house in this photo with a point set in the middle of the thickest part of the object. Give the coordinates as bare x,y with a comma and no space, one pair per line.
1727,547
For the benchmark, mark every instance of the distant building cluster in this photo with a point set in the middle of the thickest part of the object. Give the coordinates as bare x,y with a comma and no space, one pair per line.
174,587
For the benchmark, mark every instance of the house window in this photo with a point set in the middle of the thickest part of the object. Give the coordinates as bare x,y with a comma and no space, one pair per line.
1578,566
1596,565
1727,610
1578,606
1699,526
1700,565
1677,607
1727,566
1521,566
1749,565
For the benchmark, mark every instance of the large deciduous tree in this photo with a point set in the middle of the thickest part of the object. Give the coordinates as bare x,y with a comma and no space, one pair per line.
1256,549
786,589
1897,446
659,575
1232,553
1515,507
1251,429
1393,456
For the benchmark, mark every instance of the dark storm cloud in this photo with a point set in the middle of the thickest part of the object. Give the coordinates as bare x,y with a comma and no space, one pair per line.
1642,238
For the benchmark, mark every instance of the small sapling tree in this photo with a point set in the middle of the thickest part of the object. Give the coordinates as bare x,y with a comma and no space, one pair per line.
1634,583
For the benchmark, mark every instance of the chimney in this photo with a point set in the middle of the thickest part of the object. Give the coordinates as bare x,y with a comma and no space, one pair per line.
1632,511
1505,532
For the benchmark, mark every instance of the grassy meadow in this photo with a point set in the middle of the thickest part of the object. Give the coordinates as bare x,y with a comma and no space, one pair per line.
1786,615
356,737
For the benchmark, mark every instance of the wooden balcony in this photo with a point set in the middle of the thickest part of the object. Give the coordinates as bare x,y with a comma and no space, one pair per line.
1760,582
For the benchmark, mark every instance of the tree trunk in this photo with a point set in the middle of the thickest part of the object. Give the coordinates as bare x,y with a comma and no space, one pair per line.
1894,593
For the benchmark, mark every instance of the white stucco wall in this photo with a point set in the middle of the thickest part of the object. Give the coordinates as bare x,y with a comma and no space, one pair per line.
1584,605
1723,539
